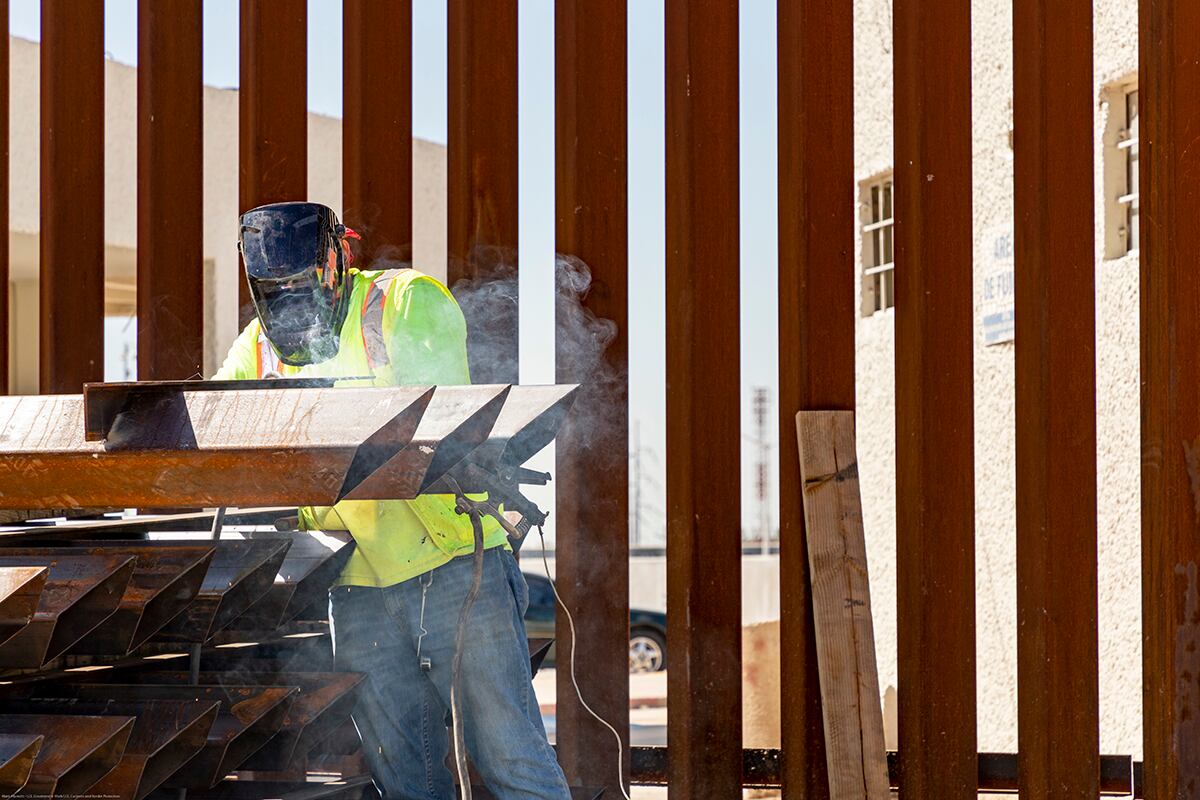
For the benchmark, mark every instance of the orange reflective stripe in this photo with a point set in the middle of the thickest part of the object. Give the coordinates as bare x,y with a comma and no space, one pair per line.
371,320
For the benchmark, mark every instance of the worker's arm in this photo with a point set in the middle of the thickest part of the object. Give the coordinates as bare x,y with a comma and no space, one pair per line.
427,336
241,364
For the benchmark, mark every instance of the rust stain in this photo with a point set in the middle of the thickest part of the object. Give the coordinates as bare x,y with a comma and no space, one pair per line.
1186,727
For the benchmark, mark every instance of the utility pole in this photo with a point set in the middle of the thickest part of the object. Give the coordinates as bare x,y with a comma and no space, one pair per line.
762,405
635,508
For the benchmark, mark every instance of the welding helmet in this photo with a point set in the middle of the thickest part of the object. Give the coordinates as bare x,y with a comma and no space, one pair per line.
297,263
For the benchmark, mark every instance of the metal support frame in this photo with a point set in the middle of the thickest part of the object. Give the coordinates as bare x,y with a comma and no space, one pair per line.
1057,633
592,555
272,111
704,544
935,440
377,143
816,328
1170,398
72,195
170,169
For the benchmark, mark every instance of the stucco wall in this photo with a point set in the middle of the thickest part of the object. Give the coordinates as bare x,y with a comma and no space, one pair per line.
1117,387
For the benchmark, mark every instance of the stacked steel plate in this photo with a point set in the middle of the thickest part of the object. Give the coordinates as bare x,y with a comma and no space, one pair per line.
141,655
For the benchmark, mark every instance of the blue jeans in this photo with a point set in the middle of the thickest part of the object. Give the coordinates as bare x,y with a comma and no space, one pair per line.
401,711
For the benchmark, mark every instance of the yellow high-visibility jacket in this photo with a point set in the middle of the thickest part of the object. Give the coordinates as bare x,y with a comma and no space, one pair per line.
422,338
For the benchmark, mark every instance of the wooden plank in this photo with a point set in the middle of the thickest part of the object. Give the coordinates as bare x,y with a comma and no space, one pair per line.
1057,633
72,195
841,597
272,111
817,314
593,465
377,127
481,199
704,546
1168,86
170,235
935,432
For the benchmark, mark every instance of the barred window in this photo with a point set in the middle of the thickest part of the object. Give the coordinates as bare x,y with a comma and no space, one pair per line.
878,261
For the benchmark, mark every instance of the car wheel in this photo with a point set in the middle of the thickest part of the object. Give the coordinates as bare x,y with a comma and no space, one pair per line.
647,651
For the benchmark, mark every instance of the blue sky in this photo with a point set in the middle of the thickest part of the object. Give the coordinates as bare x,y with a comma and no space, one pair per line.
646,181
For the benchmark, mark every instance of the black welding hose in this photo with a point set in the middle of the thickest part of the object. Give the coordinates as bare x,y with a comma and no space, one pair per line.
460,743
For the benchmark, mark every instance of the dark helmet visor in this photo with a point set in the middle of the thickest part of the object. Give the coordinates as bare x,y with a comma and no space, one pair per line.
286,239
295,266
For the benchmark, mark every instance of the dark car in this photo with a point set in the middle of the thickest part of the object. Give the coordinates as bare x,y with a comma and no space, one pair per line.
647,629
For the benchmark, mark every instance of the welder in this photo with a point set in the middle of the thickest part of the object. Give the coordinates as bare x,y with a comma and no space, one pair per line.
395,609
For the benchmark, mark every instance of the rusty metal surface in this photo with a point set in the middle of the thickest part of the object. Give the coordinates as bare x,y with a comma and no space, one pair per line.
592,471
703,503
240,573
377,127
1168,85
324,702
4,181
170,191
272,111
935,335
248,717
481,173
165,735
817,313
76,751
124,526
203,448
163,582
80,593
17,754
20,592
313,562
457,421
1055,368
71,239
103,403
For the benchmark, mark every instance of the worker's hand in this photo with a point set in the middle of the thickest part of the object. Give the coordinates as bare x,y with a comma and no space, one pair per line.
514,517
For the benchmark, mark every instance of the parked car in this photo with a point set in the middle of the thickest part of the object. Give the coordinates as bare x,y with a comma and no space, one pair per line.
647,629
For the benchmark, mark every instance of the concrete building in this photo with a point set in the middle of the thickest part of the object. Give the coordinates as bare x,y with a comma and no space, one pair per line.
1114,146
220,205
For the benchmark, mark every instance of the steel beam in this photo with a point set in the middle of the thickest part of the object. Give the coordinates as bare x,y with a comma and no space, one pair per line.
458,421
591,208
817,312
481,200
166,735
1057,634
170,196
240,574
203,448
165,580
935,462
17,754
272,111
323,702
20,593
4,181
71,237
81,592
247,718
1168,86
377,127
76,751
704,547
313,562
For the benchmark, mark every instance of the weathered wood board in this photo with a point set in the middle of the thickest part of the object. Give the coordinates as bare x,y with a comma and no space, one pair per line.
842,606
